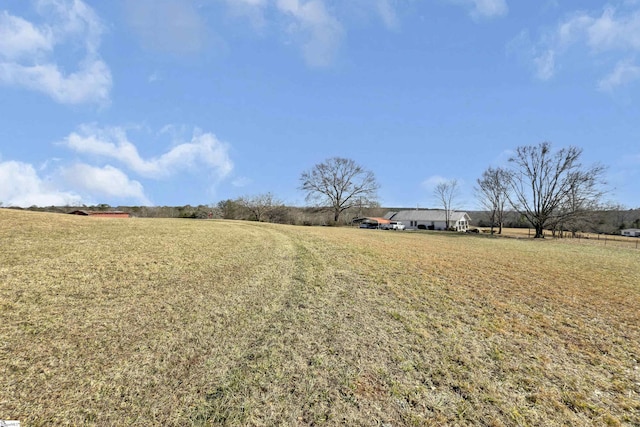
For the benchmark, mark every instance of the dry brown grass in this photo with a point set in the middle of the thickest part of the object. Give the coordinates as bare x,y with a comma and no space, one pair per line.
580,238
180,322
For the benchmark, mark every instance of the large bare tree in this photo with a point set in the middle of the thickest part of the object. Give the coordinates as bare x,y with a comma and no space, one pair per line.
549,187
339,183
492,191
446,193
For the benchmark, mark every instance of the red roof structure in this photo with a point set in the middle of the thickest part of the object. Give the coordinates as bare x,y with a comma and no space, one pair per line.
372,220
102,214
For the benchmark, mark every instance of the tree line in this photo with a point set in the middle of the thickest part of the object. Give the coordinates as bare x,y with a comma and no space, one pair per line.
549,189
546,189
540,187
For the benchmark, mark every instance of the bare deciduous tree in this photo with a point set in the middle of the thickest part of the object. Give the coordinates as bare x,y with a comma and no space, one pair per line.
549,188
492,192
446,192
260,205
231,209
338,183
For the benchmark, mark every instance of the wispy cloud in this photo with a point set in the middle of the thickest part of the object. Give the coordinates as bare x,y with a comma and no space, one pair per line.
253,10
388,14
545,64
308,24
91,83
316,27
154,77
540,58
106,181
96,178
479,9
20,185
21,39
204,150
172,26
28,57
624,73
431,182
612,31
312,27
609,37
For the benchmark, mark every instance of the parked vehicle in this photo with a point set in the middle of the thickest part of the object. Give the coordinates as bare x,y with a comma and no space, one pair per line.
393,225
368,225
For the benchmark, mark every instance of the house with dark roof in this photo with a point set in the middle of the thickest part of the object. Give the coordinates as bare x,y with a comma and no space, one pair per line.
430,219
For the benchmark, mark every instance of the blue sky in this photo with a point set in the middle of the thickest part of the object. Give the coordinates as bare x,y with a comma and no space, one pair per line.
174,102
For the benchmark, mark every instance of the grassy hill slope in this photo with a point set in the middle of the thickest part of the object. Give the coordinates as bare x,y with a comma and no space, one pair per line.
182,322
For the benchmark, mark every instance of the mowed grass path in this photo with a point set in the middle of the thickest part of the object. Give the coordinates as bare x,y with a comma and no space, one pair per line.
183,322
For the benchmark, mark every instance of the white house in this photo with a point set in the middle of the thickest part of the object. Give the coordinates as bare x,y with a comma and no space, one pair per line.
631,232
430,219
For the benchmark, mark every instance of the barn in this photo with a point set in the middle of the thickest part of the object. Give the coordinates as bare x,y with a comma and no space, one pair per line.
102,214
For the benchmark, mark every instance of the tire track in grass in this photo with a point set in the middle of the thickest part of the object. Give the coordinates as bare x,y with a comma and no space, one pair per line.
309,362
238,323
145,351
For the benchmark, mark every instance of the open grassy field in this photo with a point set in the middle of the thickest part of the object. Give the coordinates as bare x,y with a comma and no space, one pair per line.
184,322
581,238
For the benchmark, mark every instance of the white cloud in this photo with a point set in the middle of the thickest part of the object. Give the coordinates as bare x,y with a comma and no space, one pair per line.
320,32
484,8
609,32
490,8
27,53
249,2
203,151
308,24
173,26
21,186
20,38
388,14
106,181
251,9
545,65
540,57
73,20
624,73
606,36
431,182
316,27
91,83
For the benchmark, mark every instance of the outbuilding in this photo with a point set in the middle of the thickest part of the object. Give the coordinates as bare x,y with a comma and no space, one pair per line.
371,222
631,232
102,214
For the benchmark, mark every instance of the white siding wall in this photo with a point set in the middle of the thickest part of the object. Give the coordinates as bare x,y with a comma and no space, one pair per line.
461,225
